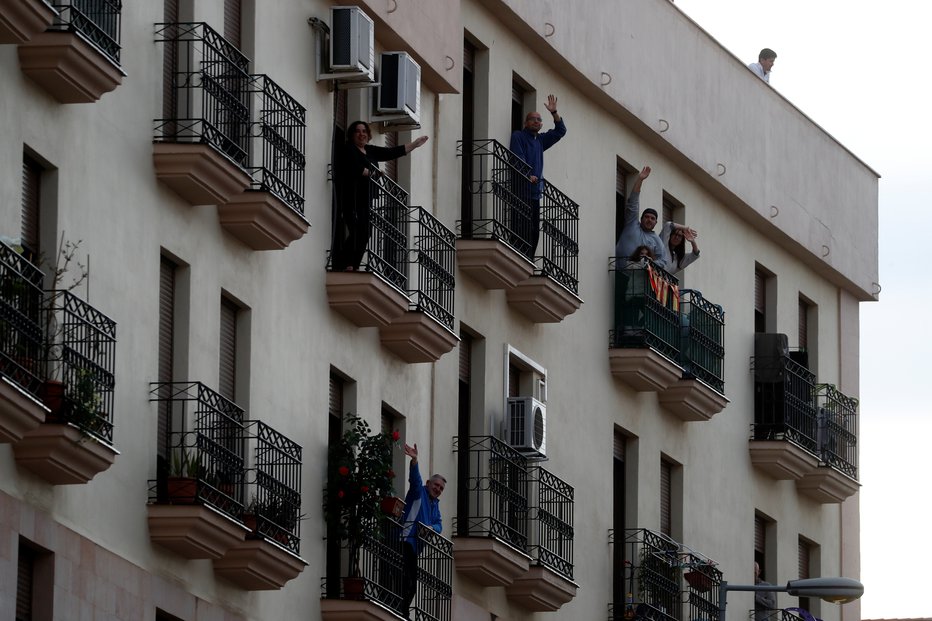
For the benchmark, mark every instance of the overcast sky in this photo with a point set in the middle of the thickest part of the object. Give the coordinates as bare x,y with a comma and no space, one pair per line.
860,70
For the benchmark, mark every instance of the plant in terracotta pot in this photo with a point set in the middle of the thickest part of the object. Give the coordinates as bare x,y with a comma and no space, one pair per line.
183,475
360,476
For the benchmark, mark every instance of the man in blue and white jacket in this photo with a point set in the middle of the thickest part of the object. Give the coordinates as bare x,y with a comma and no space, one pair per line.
422,504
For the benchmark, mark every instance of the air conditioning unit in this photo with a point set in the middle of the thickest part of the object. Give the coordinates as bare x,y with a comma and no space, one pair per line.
352,43
526,425
399,90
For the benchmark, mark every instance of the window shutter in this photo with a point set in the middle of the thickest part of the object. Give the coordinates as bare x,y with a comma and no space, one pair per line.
232,22
759,292
32,176
618,446
666,498
391,166
336,397
228,312
340,113
465,357
24,582
803,325
169,63
760,535
469,56
803,559
514,380
621,179
667,210
166,345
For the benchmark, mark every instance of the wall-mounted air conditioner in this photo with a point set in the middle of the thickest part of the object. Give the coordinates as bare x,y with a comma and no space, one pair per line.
399,92
526,425
352,44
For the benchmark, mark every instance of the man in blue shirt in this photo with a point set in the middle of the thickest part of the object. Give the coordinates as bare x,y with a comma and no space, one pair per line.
422,504
529,144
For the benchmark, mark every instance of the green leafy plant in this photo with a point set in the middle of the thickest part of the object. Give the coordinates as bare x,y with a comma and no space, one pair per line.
360,475
85,400
185,464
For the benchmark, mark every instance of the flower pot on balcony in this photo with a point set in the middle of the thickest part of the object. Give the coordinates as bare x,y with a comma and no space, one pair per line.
354,588
52,394
698,580
393,506
181,490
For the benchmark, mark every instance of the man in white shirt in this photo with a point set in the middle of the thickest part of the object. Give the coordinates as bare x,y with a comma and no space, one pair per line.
764,64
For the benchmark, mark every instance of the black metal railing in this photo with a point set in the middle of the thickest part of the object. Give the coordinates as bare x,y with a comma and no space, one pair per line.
702,349
499,200
434,576
21,332
210,91
387,251
81,349
273,486
784,406
646,308
837,422
278,161
433,253
666,580
206,447
551,522
97,21
493,480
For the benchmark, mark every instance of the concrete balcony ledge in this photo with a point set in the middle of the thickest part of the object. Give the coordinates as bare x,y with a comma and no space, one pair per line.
62,454
692,400
827,485
261,220
541,590
492,263
416,337
194,530
259,565
198,173
489,561
354,610
20,412
21,20
644,369
365,299
781,459
542,300
68,68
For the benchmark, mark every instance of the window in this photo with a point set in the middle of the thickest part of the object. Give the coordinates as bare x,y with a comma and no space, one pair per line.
393,421
34,582
32,178
624,177
765,298
672,210
233,22
228,317
521,100
808,333
161,615
618,517
391,166
166,353
764,536
666,497
525,378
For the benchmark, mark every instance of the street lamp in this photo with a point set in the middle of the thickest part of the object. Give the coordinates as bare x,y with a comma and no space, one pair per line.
835,590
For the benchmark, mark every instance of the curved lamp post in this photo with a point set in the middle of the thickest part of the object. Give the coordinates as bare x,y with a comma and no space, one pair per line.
835,590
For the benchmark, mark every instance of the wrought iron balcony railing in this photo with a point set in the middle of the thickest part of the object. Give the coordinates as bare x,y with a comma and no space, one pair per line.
551,522
97,21
493,484
21,332
210,91
379,574
273,486
498,203
647,312
666,581
433,254
784,403
277,160
205,448
702,349
837,429
81,348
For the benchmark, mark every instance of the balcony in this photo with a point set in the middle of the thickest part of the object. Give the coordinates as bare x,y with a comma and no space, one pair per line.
666,580
491,525
425,331
21,346
374,592
196,503
270,214
20,20
77,59
269,556
667,341
494,247
74,444
802,431
548,584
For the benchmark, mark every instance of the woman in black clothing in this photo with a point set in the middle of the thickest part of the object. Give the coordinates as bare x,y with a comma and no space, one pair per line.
356,162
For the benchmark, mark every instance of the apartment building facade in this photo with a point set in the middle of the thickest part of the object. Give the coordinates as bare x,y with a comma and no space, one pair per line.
616,441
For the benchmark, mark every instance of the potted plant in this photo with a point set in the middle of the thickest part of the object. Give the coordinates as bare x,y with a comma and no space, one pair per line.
360,476
182,477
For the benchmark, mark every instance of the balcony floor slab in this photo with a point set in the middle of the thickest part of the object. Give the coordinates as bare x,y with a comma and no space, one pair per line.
488,561
354,610
541,590
492,263
62,454
827,485
198,173
365,299
258,565
782,460
261,220
644,369
692,400
416,337
542,300
20,20
20,412
68,68
193,530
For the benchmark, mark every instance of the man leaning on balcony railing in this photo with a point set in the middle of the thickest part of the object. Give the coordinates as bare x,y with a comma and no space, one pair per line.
422,504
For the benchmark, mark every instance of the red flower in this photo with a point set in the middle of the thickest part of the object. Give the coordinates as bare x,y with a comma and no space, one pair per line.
343,471
395,436
340,494
391,473
364,489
